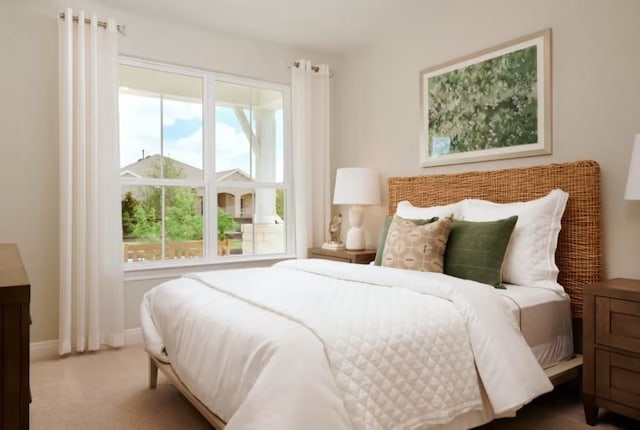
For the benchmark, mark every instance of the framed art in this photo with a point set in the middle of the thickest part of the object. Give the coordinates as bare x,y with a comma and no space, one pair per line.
489,105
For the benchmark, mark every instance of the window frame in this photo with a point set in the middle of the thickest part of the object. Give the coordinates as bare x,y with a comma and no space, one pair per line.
209,181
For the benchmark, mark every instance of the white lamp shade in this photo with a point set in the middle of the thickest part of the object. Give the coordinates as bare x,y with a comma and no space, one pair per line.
356,186
632,192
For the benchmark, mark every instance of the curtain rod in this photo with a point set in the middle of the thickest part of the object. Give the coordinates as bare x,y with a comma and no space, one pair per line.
102,24
314,68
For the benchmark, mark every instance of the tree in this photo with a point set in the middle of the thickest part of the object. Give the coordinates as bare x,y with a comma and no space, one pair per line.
146,227
280,202
226,224
182,222
152,196
129,206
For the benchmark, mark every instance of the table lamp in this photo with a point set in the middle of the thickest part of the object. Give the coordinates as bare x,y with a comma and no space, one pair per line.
356,186
632,192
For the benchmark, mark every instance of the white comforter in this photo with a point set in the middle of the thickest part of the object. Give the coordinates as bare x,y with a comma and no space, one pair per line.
318,344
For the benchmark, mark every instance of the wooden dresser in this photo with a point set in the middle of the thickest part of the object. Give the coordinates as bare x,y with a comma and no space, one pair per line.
14,340
611,377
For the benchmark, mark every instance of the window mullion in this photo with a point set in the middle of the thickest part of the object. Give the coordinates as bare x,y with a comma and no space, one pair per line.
211,193
163,224
288,171
163,197
157,182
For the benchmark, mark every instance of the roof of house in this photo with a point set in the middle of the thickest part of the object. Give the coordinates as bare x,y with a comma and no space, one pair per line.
145,167
233,175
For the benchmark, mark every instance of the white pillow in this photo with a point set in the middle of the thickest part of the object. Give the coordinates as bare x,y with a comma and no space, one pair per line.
530,258
408,211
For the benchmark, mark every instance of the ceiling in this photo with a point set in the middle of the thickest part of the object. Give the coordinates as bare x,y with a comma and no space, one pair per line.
330,26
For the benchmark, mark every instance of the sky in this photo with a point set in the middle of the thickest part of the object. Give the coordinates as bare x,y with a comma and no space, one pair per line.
140,130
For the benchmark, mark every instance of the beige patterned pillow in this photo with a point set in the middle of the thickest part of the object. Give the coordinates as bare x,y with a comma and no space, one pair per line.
416,247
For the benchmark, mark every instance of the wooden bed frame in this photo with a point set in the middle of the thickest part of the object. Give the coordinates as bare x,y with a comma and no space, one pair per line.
578,255
155,364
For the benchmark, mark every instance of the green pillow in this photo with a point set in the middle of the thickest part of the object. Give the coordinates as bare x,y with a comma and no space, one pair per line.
385,230
475,250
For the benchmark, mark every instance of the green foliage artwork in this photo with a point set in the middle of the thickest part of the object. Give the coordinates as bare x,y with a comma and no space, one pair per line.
491,104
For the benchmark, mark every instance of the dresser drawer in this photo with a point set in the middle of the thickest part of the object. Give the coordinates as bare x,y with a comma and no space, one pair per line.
618,378
617,323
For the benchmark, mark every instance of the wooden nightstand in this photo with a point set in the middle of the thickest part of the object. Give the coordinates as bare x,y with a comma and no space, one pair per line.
358,257
611,336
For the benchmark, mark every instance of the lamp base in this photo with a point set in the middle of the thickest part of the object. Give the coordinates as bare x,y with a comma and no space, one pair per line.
355,235
355,239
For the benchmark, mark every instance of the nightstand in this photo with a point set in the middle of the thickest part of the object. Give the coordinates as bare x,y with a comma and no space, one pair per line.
611,372
358,257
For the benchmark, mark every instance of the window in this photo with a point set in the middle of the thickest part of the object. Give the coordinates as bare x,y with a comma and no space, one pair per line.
203,166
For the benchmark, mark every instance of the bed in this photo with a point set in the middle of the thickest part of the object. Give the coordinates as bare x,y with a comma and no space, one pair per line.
316,344
544,319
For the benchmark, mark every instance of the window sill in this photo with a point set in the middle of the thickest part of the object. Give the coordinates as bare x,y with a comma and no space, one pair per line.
174,269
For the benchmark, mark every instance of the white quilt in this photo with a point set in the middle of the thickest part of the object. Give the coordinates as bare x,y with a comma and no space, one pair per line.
319,344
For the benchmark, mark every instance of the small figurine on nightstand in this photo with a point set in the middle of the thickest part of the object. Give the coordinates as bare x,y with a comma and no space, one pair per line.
334,232
335,227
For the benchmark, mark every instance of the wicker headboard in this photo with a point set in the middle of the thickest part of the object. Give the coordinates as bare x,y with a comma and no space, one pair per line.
579,254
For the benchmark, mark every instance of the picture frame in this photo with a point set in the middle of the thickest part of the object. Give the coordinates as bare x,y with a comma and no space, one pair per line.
489,105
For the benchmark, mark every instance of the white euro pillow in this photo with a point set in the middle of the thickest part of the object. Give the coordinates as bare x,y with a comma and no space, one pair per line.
408,211
530,258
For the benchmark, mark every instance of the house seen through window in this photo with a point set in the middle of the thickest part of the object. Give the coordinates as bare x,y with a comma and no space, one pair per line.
203,165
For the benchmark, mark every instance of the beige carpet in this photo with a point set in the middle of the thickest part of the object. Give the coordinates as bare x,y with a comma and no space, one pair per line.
108,390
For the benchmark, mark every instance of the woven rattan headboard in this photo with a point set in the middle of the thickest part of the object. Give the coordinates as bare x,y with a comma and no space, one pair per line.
578,256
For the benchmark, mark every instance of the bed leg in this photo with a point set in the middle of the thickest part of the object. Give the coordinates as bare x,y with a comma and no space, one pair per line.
153,373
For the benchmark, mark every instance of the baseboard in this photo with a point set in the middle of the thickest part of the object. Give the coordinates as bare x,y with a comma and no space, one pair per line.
48,349
43,350
133,336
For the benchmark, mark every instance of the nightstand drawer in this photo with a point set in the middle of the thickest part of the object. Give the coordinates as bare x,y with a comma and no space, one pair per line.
618,378
331,257
617,323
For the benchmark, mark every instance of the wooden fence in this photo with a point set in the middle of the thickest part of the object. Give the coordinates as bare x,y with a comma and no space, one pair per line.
153,251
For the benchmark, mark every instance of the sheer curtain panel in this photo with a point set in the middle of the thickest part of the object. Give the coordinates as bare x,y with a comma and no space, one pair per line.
91,275
310,107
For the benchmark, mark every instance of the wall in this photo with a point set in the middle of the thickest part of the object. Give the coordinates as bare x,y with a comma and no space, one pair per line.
596,97
29,123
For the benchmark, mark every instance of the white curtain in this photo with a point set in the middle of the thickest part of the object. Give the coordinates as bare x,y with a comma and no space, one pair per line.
310,107
91,275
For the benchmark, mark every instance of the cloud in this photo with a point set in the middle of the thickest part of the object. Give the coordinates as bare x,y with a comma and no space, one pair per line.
187,149
139,127
140,130
232,149
174,110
